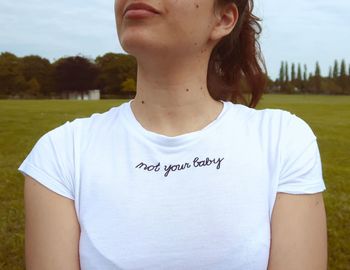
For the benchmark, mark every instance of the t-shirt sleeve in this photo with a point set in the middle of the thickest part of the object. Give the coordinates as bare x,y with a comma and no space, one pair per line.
301,168
51,161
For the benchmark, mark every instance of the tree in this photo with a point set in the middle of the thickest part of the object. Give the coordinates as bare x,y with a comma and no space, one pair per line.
33,87
281,77
342,68
335,70
343,82
293,72
75,74
129,85
40,69
299,73
299,82
114,70
318,77
305,73
286,72
12,82
317,70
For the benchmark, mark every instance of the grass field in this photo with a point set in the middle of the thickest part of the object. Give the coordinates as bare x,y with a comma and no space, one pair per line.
22,122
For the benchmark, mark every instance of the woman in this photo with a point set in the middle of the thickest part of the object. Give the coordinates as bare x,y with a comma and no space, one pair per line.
182,176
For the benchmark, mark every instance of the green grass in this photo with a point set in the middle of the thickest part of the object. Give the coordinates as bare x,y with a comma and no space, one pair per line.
22,122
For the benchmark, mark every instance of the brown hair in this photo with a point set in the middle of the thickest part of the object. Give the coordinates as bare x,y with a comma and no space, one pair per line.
233,65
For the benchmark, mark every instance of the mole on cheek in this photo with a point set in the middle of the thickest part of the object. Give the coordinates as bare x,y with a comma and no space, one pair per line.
142,102
187,89
197,6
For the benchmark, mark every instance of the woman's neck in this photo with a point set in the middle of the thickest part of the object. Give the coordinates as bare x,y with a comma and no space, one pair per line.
176,100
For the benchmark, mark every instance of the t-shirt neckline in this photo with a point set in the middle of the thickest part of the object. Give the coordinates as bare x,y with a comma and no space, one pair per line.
170,141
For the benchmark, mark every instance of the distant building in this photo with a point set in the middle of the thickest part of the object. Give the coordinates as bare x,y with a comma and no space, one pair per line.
89,95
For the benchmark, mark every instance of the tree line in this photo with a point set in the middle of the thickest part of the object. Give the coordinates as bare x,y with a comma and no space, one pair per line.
33,76
114,74
299,80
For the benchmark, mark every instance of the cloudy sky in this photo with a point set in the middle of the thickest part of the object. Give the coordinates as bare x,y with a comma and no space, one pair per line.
299,31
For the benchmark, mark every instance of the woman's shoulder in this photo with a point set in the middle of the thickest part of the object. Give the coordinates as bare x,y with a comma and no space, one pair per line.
95,122
263,116
273,120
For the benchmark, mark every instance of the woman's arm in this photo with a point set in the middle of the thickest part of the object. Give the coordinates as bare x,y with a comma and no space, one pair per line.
52,230
299,233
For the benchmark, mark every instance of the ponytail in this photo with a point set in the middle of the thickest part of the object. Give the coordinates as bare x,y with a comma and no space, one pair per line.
233,67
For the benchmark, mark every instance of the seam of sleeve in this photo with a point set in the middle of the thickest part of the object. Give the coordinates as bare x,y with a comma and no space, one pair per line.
45,179
310,189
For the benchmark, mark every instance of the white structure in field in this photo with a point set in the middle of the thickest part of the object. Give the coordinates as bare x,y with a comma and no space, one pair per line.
89,95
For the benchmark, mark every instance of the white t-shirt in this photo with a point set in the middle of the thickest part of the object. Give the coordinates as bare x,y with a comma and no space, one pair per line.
200,200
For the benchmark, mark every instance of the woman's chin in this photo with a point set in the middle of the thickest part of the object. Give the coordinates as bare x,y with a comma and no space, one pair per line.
138,47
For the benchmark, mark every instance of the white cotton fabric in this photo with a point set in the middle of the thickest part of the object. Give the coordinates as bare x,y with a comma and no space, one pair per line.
200,200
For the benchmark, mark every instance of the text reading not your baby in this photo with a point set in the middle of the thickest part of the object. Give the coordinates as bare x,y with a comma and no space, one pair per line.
177,167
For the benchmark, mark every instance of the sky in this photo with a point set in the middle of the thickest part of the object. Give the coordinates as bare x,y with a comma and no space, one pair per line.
299,31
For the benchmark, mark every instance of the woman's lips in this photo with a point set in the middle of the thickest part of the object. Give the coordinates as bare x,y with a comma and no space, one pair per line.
139,13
